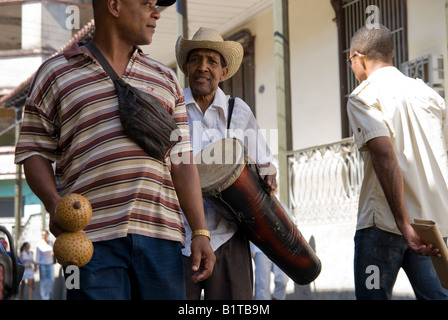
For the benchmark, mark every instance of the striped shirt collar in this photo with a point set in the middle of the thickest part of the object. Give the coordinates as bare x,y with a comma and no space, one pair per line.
75,50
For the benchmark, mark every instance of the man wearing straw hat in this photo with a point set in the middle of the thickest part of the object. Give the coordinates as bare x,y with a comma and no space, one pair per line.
207,60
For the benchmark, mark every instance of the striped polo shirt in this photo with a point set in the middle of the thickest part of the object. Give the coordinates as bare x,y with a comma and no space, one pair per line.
72,119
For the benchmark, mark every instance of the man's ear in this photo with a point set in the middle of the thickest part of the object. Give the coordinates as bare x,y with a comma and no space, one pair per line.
225,71
362,61
114,7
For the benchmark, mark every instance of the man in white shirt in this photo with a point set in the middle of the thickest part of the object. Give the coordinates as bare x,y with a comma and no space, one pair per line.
44,262
207,60
400,125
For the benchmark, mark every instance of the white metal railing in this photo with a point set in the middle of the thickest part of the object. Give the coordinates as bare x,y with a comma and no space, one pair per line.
325,183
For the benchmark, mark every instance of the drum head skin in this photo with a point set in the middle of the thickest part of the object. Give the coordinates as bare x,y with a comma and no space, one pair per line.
220,164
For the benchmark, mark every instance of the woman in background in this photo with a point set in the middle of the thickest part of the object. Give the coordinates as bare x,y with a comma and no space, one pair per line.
26,255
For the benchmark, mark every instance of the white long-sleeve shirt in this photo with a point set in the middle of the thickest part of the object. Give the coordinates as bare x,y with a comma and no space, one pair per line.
211,126
44,253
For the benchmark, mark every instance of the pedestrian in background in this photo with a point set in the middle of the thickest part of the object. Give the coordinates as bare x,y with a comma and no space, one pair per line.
26,256
263,269
44,263
400,126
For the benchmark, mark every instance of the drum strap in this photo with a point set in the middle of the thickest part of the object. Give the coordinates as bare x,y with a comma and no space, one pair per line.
231,105
228,206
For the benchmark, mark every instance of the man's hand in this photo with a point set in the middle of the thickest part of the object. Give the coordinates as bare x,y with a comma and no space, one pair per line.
416,244
55,228
268,173
202,258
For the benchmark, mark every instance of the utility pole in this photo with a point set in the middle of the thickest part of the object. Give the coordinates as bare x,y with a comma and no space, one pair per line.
445,63
18,182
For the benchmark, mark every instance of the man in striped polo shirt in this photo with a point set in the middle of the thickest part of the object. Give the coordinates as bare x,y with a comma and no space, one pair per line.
72,121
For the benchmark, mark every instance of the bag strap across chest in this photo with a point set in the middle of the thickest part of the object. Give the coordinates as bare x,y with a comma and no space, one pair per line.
231,106
103,61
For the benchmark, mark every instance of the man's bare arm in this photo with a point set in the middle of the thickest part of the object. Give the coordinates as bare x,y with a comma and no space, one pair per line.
40,177
385,164
188,188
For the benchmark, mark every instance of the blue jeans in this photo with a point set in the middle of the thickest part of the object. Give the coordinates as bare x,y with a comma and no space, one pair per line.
133,267
387,252
46,278
263,268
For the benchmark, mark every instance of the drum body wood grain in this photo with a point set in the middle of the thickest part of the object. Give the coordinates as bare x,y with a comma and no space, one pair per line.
235,189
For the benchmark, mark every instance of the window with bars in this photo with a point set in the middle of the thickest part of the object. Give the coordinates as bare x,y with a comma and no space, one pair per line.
352,15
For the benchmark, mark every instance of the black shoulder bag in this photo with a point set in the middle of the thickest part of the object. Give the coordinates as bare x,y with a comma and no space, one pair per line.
144,118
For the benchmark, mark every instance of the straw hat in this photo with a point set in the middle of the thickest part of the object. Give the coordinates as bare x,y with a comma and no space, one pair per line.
205,38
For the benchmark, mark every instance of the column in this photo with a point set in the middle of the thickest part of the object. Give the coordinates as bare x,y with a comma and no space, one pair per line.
182,30
283,93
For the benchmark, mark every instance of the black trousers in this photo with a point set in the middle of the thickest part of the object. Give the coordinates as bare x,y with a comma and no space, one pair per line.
232,277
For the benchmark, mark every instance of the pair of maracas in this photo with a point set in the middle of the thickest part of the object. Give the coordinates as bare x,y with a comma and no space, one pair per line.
73,213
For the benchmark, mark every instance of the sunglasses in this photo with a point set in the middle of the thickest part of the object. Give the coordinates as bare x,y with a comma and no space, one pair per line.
349,60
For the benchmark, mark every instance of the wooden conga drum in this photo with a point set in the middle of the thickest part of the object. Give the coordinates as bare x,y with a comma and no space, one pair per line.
235,189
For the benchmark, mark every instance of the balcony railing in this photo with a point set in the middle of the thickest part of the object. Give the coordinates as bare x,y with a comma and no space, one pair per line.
325,183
